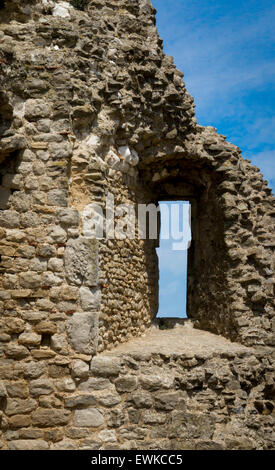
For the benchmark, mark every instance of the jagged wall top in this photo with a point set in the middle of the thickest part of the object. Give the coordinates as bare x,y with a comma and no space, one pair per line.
115,48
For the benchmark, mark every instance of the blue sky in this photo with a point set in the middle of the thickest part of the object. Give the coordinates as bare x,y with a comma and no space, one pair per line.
226,51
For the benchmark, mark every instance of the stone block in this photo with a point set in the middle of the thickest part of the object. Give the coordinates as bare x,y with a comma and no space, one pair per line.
3,392
82,332
36,109
41,387
80,369
17,406
94,383
68,217
90,418
126,383
16,351
19,421
46,418
9,219
17,389
105,366
29,339
80,401
90,298
28,444
58,197
34,369
81,262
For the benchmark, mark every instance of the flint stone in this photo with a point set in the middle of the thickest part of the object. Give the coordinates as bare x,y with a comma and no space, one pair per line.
105,366
94,383
62,10
28,444
68,217
17,389
65,385
34,369
18,406
45,418
90,417
9,219
66,444
82,330
81,262
19,421
15,351
81,400
41,387
80,369
35,109
126,384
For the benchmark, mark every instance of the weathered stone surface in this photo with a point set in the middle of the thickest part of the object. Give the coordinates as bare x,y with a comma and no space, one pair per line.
45,418
80,369
65,444
18,389
93,112
90,418
80,401
36,108
16,351
59,343
34,369
65,385
105,366
41,387
19,421
94,383
81,262
126,384
28,444
82,329
109,399
17,406
29,339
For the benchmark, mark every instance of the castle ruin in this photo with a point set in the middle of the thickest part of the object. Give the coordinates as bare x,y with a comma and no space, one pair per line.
91,105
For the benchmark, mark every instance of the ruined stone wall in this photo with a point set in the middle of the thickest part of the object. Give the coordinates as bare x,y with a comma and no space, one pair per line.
91,105
139,400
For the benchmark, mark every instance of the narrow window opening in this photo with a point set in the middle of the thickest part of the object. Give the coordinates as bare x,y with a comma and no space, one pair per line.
46,340
175,239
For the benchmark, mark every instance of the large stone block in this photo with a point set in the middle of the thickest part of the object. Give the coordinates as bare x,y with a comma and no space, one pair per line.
46,418
81,262
90,417
82,332
35,109
105,366
18,406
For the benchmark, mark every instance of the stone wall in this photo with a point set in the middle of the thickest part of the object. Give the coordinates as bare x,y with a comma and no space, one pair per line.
90,105
139,400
